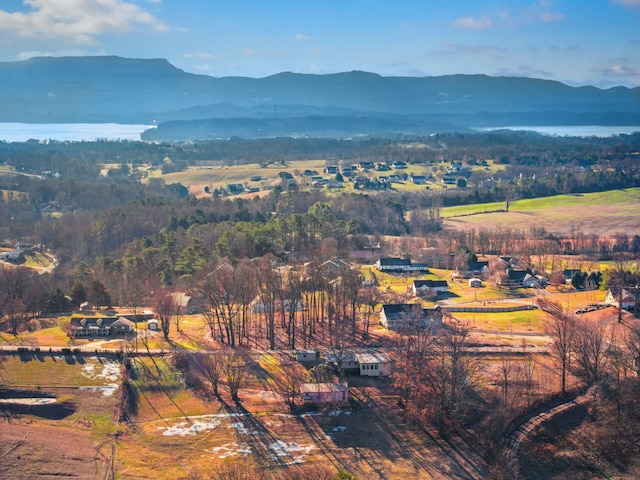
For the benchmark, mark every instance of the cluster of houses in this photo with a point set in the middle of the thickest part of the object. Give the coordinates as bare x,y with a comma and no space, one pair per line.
237,188
364,363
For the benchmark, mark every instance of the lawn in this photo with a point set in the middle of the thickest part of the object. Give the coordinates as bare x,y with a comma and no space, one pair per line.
522,321
44,370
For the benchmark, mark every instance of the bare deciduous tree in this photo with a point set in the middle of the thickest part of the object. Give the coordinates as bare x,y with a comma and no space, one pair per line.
590,351
235,372
165,308
211,369
562,330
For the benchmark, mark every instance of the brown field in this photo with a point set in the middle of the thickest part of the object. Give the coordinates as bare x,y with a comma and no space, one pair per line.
173,431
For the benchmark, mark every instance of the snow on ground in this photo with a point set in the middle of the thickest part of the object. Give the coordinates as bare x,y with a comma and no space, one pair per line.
282,451
28,401
183,429
107,390
243,429
231,450
109,371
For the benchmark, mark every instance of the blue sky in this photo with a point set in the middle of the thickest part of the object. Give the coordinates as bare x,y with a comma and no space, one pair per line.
578,42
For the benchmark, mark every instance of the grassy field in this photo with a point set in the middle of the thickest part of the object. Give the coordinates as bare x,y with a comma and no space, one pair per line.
173,431
601,213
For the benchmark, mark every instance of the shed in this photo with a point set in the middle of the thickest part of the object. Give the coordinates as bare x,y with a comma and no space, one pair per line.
324,392
306,355
153,324
374,364
475,282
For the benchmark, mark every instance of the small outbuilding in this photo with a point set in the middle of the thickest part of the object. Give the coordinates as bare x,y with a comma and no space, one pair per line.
324,392
374,364
475,282
306,355
153,324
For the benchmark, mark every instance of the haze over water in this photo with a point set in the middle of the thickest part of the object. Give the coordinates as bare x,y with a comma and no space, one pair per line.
75,132
572,130
78,132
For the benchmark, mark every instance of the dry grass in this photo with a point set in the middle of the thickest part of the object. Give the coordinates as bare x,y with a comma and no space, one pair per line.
602,213
44,451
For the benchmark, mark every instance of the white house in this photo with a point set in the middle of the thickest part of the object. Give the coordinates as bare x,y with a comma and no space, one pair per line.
628,299
427,287
394,264
257,306
403,315
374,364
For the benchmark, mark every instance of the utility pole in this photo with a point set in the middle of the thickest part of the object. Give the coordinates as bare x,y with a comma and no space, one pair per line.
620,301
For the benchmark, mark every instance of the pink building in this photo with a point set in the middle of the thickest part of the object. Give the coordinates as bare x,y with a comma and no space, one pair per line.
324,392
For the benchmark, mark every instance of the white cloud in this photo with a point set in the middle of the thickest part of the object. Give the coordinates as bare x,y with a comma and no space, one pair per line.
200,55
59,53
524,71
551,17
617,71
205,67
301,38
532,14
471,23
75,21
448,48
628,3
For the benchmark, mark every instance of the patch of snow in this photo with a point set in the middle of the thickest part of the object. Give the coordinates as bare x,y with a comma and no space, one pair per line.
231,450
243,429
184,428
28,401
110,371
339,428
283,450
107,390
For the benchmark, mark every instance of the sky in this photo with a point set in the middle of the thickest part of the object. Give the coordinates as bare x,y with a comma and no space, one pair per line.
577,42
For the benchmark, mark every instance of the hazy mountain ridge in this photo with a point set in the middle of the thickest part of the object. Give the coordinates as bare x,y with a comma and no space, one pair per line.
115,89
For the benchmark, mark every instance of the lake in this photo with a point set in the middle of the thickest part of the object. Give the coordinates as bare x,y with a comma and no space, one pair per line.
572,130
21,132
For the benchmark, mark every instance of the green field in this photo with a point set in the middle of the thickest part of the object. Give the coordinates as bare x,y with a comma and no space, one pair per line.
602,213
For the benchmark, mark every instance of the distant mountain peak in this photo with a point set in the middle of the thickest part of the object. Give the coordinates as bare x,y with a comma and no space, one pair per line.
119,89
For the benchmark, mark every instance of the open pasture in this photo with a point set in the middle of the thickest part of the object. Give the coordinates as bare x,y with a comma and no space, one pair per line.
602,213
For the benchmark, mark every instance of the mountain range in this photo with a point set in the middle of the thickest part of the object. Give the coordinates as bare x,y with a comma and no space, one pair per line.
189,106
